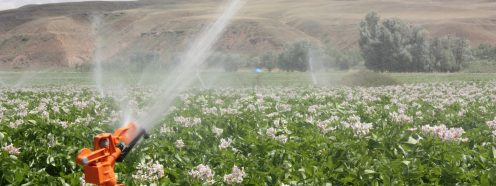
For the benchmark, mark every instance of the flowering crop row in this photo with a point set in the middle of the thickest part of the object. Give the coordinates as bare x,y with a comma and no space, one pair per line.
440,133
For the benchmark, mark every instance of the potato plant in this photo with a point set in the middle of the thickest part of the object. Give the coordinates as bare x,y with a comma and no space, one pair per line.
418,134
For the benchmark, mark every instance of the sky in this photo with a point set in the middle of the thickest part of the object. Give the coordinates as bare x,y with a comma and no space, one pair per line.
11,4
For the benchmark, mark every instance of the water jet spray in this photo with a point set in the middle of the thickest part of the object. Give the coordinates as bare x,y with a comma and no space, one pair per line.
97,54
184,74
311,65
99,163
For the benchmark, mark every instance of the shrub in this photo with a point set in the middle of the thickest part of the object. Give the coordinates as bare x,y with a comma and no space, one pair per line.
295,58
231,63
268,61
485,52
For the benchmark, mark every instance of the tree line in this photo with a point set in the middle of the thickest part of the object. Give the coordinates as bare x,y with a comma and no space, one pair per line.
485,52
303,56
387,45
394,46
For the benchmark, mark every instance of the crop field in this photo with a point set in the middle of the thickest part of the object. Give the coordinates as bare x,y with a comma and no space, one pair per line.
438,133
243,79
237,92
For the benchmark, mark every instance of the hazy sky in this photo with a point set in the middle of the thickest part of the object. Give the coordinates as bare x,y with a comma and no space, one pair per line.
10,4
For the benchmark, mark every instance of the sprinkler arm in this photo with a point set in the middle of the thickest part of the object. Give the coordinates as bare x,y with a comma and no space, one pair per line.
125,149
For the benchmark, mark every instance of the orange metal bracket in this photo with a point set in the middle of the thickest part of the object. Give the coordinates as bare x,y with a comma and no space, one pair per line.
99,163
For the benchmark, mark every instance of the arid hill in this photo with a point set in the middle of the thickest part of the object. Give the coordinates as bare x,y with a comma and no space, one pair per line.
69,34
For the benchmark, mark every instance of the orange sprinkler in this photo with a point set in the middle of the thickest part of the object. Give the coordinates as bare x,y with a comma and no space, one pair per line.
107,149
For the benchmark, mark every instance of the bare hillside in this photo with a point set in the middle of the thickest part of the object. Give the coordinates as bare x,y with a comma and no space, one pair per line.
68,34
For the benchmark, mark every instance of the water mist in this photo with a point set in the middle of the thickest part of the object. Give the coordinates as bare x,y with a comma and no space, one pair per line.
2,84
28,77
312,65
96,23
116,86
183,75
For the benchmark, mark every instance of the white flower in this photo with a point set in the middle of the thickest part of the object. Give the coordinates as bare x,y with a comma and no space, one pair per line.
251,107
22,113
276,122
400,117
82,182
445,133
271,132
310,119
359,129
282,138
51,140
15,124
180,144
203,173
149,172
11,150
283,107
65,109
313,109
187,122
81,104
56,109
63,124
166,130
324,125
208,111
225,143
492,124
219,102
236,176
217,131
45,115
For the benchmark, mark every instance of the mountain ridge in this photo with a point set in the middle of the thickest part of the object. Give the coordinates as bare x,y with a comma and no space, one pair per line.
65,34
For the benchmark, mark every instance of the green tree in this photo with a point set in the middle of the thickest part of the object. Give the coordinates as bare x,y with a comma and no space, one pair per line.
231,63
341,59
369,42
295,58
449,53
461,52
392,45
394,39
485,52
268,61
421,60
140,61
